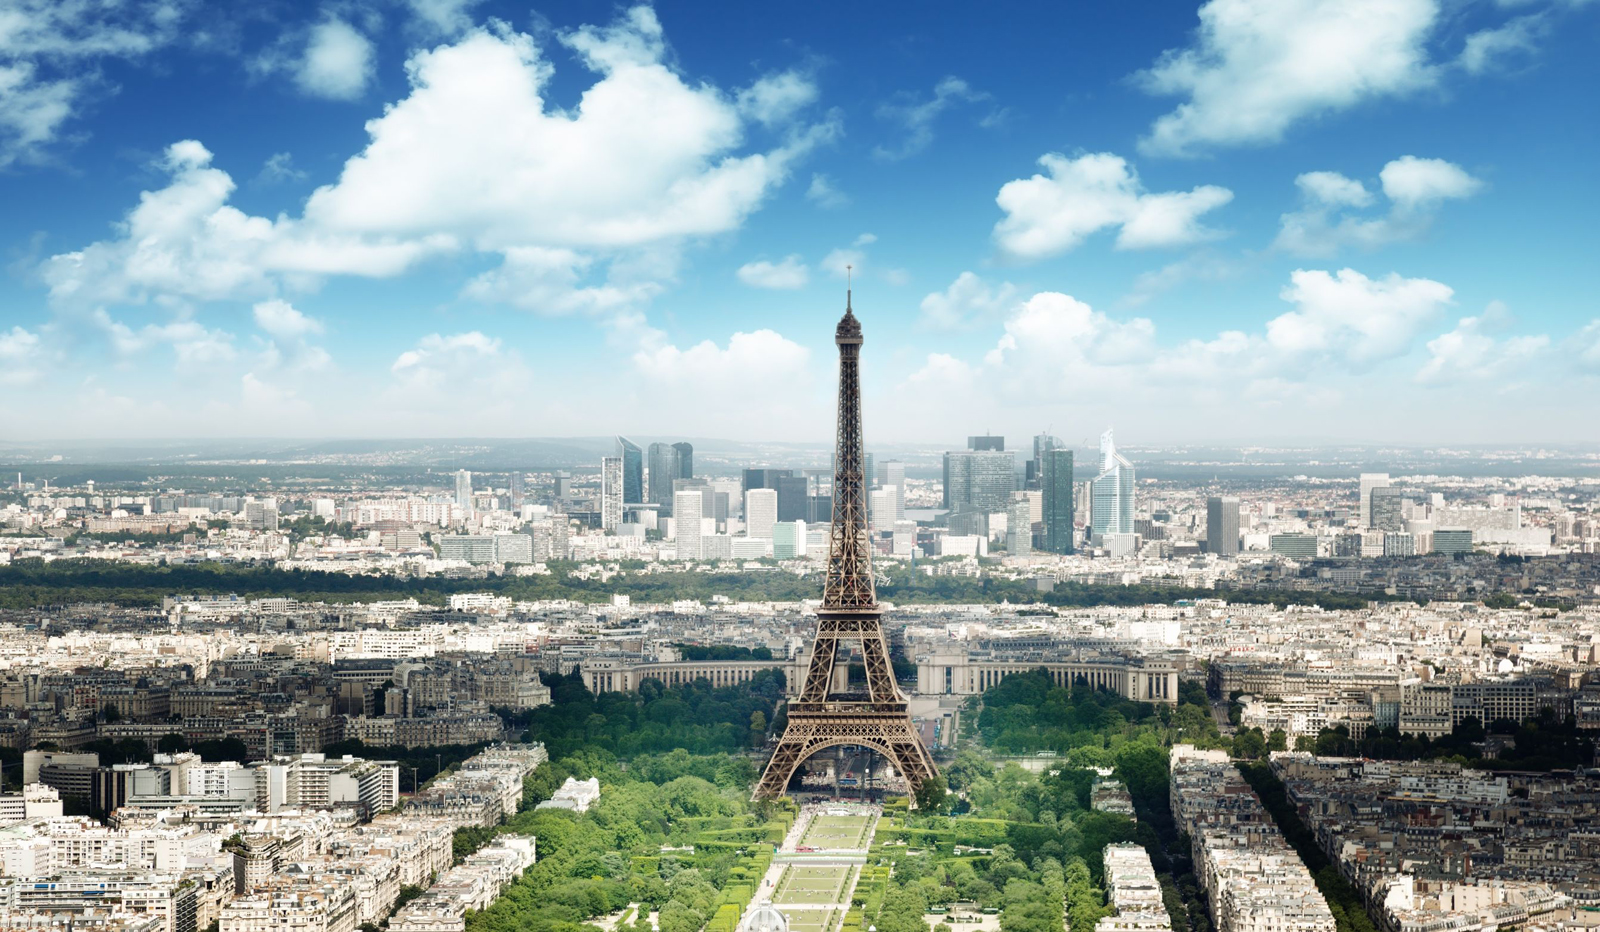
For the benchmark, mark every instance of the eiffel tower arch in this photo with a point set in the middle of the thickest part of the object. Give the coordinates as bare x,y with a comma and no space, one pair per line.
821,717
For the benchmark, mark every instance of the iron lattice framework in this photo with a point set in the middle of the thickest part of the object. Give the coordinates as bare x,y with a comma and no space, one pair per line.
819,718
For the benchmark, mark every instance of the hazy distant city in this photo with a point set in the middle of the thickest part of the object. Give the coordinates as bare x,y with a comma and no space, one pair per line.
491,466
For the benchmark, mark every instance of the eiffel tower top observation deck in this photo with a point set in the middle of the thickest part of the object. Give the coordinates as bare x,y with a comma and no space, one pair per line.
849,586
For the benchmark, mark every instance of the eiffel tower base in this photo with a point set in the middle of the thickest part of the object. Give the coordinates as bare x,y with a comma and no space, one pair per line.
890,733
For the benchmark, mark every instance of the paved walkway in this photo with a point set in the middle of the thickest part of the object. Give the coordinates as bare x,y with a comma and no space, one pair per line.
851,859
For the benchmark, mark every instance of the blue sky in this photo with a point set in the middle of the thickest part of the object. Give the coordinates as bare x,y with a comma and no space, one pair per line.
1259,221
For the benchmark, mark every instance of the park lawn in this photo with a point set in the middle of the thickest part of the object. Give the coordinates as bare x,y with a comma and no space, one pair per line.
827,831
812,885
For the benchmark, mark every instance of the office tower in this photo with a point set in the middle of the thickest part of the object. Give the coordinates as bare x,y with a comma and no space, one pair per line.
893,472
1055,479
464,490
563,488
1452,540
1019,528
261,516
688,509
988,442
979,480
819,509
789,540
792,490
685,460
664,470
760,512
632,470
880,510
1370,481
1034,472
611,492
1222,525
764,478
791,498
1385,507
1111,511
517,491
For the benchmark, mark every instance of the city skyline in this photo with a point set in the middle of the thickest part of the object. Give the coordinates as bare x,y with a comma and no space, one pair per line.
1174,222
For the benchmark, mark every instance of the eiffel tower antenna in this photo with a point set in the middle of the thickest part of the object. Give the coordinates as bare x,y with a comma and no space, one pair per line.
823,717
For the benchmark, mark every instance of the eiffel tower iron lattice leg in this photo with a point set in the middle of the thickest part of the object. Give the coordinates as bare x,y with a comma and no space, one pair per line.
820,719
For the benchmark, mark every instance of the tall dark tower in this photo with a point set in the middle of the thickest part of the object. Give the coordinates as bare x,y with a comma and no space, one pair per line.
822,718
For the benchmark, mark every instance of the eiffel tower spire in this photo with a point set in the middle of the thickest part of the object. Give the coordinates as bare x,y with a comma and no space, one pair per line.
821,718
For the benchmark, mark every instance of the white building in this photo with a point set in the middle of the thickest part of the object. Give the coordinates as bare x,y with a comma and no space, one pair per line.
760,512
687,510
577,795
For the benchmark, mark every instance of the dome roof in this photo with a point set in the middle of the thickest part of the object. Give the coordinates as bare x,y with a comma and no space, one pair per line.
766,918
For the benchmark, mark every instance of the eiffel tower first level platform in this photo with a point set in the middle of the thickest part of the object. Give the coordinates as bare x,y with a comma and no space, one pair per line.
820,718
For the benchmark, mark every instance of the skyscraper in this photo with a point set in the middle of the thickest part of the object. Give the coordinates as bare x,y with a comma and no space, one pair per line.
1055,479
1222,525
760,512
893,472
880,510
517,494
632,470
685,460
610,492
688,510
979,480
464,490
1386,506
1019,528
664,468
1034,473
991,442
791,498
1370,481
1111,511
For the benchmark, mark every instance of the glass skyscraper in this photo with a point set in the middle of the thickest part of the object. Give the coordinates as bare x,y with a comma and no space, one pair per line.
1111,507
1055,478
979,480
632,457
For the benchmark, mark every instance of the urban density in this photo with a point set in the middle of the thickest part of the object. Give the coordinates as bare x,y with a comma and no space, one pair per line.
539,466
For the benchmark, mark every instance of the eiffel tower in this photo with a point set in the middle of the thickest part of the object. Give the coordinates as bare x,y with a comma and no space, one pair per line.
821,718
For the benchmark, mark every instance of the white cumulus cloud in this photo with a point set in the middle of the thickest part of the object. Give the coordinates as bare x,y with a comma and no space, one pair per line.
968,300
1470,353
1412,182
185,241
791,272
1355,318
1050,214
1257,67
1330,217
282,320
338,62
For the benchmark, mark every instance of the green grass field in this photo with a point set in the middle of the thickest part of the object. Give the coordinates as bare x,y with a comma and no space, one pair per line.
828,831
812,885
809,920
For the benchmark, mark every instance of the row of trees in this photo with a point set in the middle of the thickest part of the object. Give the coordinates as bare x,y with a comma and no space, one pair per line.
696,717
35,583
1344,901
